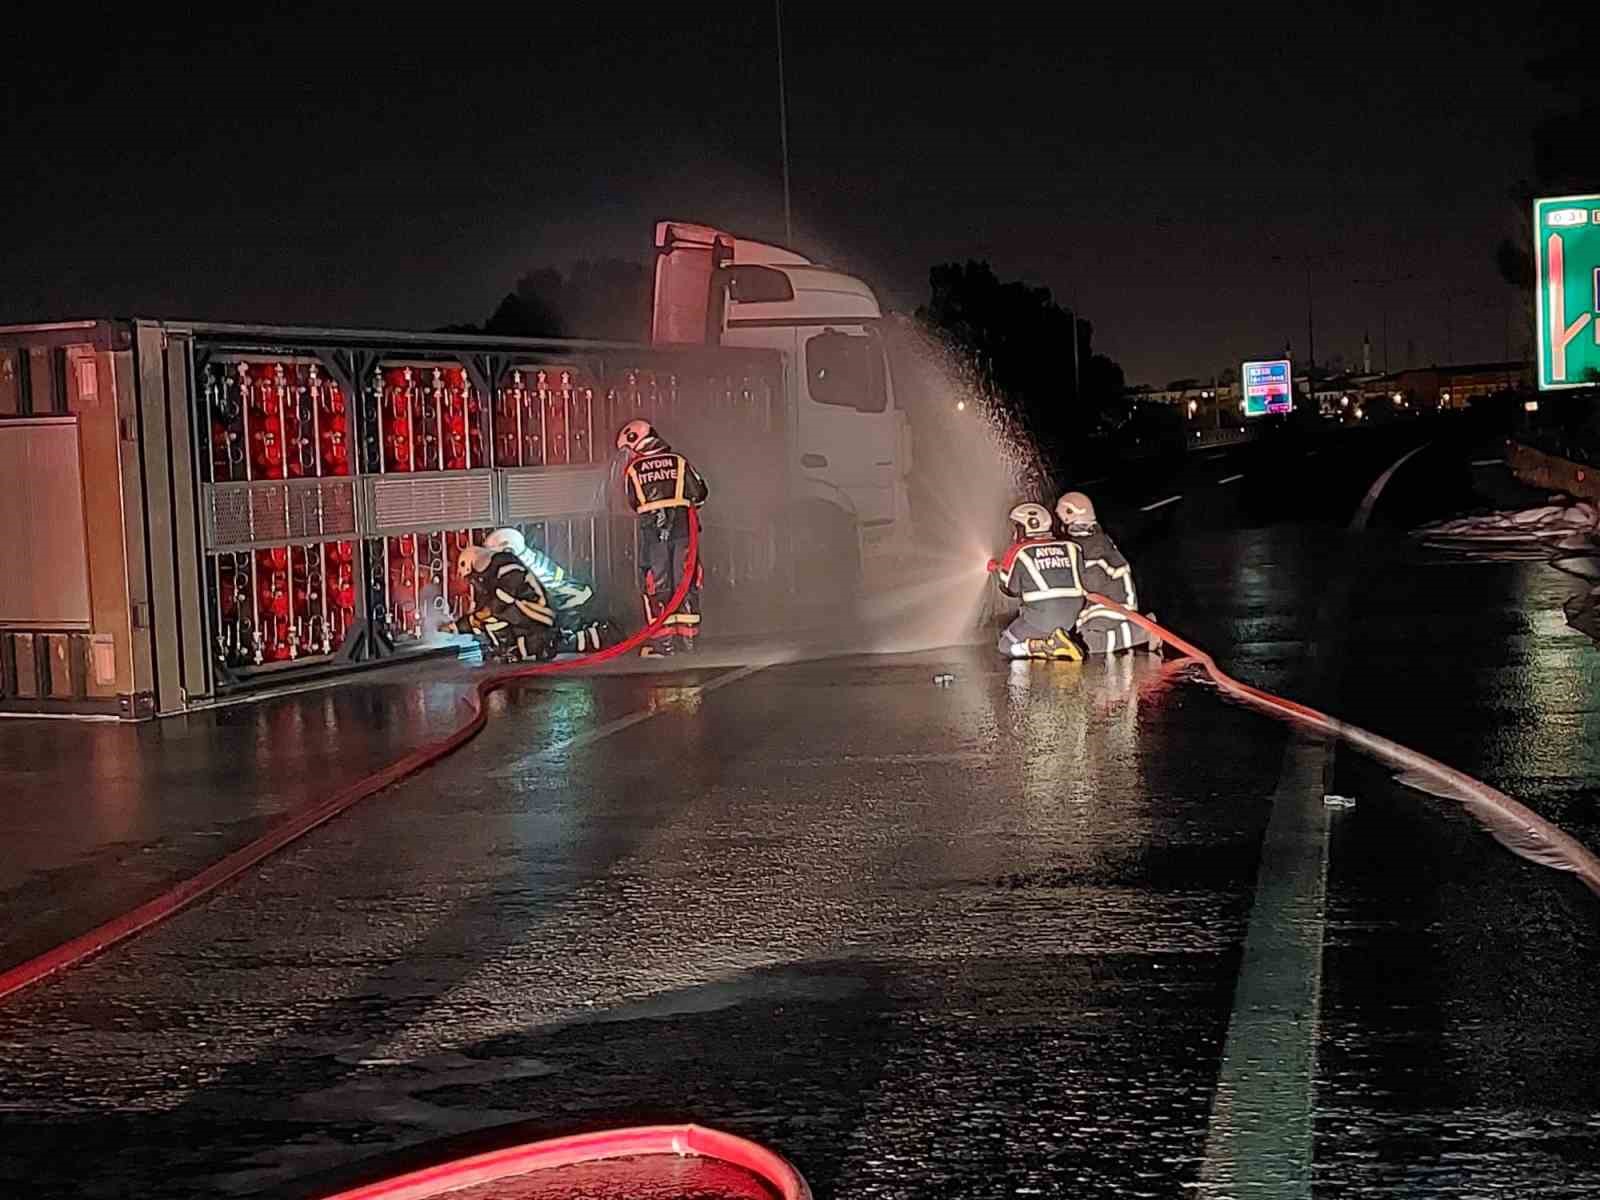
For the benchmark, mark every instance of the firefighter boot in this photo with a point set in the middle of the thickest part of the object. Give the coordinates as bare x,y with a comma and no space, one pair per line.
1063,646
586,639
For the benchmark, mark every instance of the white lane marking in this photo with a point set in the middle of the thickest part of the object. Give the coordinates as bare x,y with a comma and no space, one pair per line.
1259,1138
1370,500
590,736
1488,462
1232,478
1258,1141
965,757
1161,503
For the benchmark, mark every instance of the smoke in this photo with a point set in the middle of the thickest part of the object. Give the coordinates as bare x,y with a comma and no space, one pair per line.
438,625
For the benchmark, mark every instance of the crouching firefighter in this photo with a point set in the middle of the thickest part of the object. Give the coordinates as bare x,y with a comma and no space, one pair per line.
1105,572
662,488
579,628
511,615
1045,573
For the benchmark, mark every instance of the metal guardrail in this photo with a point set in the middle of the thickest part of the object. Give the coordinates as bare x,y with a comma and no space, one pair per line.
1220,437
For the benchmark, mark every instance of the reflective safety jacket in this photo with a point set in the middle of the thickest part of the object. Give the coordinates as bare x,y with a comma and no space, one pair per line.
663,481
563,592
507,591
1042,569
1105,571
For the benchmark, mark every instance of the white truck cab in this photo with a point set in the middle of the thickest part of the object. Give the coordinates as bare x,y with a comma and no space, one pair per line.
850,445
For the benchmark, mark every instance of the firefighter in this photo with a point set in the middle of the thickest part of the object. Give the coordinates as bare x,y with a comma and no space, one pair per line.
1104,571
580,628
661,488
1045,573
513,615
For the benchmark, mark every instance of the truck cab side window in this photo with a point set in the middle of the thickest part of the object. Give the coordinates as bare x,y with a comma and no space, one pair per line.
846,370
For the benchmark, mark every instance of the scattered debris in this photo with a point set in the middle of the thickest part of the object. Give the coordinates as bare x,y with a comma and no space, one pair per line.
1564,533
1333,801
1567,526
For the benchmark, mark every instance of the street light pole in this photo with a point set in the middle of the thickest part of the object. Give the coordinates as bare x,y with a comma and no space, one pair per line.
1077,377
783,130
1311,343
1311,331
1383,286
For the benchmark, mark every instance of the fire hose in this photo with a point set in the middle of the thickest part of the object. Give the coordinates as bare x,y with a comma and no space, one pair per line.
517,1163
1513,824
179,896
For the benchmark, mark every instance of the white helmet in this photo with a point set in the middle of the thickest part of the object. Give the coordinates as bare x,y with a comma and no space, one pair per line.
1032,519
508,539
472,560
1076,512
638,435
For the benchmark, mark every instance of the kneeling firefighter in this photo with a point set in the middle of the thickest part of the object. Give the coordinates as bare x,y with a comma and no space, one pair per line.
581,630
1045,573
662,487
512,616
1106,572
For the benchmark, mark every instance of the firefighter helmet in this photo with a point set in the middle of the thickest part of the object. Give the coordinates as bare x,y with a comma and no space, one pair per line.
472,560
638,435
509,540
1033,520
1076,512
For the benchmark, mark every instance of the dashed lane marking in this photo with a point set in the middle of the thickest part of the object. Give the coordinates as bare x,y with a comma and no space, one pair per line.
590,736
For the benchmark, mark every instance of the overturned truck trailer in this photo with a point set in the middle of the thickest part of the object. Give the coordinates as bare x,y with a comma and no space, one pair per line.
200,509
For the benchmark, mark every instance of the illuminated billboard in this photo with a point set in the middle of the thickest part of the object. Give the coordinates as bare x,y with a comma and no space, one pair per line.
1566,241
1268,387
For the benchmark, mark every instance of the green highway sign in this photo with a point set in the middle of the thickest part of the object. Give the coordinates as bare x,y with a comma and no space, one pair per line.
1566,243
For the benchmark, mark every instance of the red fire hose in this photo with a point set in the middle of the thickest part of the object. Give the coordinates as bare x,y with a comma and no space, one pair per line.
1512,823
517,1162
181,895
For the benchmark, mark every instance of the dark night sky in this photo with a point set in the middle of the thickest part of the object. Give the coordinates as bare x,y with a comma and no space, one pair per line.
391,171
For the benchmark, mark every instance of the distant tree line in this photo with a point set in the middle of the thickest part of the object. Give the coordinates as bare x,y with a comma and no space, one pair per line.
1018,345
604,299
1563,162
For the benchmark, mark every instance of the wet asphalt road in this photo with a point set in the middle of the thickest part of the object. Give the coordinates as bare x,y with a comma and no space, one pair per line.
982,940
105,816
